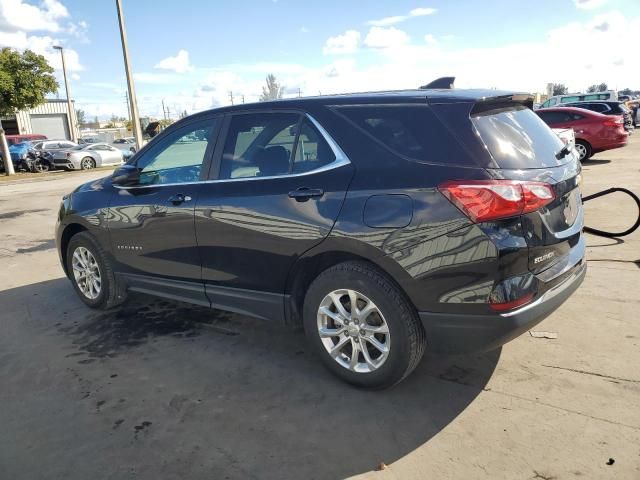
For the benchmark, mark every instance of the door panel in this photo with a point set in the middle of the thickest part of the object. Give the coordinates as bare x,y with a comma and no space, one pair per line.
279,195
151,225
250,232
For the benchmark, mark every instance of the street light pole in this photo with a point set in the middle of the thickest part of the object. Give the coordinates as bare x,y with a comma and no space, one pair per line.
135,120
72,130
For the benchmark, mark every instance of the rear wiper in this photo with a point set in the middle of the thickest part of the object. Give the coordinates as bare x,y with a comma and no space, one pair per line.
564,151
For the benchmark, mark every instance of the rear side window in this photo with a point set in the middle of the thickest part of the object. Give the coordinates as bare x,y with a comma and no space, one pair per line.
518,138
551,118
411,131
312,150
259,145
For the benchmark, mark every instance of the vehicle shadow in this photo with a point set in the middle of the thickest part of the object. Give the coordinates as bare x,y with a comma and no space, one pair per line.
595,161
198,392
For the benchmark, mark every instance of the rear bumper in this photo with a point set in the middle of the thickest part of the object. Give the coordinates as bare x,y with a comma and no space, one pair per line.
464,333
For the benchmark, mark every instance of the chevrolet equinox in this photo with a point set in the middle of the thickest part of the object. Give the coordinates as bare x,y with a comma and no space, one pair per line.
384,223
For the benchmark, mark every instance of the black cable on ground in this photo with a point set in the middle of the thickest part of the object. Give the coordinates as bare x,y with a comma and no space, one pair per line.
606,234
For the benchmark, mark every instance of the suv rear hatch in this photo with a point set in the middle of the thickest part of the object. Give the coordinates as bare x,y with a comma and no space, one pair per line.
523,148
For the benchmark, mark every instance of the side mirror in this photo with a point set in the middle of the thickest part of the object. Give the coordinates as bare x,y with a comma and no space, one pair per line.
126,175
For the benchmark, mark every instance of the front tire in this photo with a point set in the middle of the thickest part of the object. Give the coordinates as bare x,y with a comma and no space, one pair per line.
91,273
374,345
41,166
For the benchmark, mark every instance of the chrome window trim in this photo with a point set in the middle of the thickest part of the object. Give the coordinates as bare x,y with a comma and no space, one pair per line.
340,161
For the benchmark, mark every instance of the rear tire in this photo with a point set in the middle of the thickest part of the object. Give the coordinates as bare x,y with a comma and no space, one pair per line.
584,150
87,163
91,273
384,319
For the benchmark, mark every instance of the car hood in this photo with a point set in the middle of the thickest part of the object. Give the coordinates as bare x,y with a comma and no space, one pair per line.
95,185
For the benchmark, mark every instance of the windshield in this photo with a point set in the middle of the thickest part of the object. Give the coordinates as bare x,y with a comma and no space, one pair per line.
517,138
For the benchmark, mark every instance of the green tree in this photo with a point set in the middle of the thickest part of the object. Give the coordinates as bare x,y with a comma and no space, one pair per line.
81,116
273,90
25,79
602,87
560,89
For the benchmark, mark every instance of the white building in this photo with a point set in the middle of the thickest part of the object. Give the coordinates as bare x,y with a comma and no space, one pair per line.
49,119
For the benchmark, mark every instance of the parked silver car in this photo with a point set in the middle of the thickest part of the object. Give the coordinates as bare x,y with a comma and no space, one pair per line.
85,157
54,145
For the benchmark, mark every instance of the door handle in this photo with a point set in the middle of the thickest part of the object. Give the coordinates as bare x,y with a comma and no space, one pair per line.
179,198
303,194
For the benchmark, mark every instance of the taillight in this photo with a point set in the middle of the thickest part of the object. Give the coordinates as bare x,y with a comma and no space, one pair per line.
613,122
487,200
513,304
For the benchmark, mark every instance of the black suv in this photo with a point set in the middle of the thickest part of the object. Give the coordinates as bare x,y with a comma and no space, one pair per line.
609,108
385,223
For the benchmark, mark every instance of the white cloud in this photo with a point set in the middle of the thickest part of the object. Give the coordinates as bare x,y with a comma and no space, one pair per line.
395,19
430,39
589,4
179,64
42,45
156,78
421,12
18,19
346,43
17,15
383,38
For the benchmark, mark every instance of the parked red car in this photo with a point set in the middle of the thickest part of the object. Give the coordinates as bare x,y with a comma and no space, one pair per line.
26,137
594,131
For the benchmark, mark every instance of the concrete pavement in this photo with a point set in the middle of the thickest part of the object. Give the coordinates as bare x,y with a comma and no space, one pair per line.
165,390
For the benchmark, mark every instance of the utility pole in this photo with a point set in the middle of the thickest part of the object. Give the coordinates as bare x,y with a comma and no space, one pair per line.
243,99
164,112
70,112
299,92
231,96
135,120
126,97
6,155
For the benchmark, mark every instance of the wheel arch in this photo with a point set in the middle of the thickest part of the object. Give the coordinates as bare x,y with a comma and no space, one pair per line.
69,231
307,268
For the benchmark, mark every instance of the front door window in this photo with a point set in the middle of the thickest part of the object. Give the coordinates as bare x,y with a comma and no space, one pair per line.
178,158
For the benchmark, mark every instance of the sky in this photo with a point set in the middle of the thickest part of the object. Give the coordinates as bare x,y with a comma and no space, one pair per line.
194,55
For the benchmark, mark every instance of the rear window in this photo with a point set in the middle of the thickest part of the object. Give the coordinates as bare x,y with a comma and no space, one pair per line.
412,131
518,138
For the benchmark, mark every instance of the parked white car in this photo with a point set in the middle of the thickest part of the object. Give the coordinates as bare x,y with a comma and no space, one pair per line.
567,135
560,100
85,157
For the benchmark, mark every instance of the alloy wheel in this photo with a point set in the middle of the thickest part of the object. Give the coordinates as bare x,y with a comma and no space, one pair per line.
353,331
86,273
582,150
87,163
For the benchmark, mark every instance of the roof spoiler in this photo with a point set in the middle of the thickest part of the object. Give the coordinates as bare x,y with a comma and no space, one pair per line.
502,101
445,83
